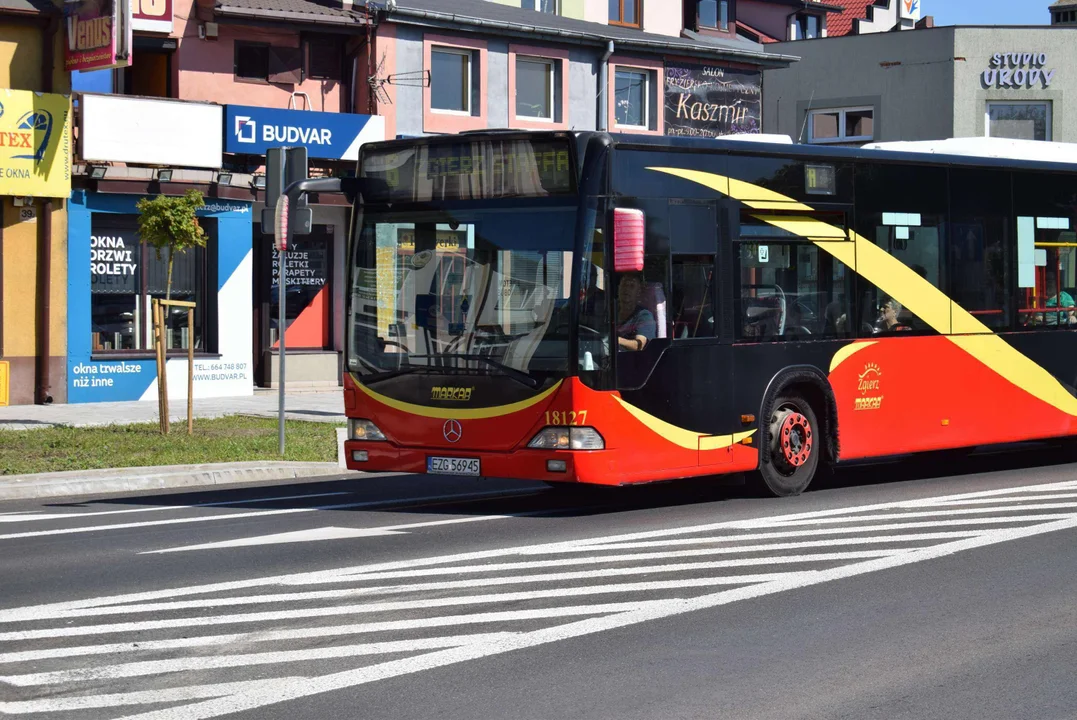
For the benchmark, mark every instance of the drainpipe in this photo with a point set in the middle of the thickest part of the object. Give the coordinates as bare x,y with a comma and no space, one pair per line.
44,382
603,84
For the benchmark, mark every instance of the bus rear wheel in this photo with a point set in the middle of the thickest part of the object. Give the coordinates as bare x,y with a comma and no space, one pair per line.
791,457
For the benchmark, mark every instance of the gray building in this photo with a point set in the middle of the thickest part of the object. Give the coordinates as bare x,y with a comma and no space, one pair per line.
928,84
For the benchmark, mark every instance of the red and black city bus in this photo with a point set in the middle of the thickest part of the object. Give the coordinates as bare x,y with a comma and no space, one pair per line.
593,308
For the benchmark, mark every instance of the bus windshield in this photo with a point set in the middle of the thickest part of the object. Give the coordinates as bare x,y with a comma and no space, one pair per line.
473,290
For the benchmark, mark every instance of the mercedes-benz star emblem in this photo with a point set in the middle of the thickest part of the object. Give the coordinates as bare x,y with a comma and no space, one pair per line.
452,431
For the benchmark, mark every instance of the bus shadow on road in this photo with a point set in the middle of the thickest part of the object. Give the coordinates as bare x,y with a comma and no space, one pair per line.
439,495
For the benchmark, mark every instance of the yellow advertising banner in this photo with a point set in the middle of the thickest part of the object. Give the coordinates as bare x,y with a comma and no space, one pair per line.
35,144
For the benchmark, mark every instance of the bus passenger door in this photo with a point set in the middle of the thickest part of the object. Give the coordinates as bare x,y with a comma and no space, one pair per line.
680,375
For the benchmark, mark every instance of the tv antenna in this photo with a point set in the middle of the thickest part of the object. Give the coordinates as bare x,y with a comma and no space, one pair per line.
416,78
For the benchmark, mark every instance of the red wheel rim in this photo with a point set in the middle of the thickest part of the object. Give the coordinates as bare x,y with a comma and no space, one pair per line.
795,439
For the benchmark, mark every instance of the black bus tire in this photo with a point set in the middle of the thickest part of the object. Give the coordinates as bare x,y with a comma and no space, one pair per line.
795,443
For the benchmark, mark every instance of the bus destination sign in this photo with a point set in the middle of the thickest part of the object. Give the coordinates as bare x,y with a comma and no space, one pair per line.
477,170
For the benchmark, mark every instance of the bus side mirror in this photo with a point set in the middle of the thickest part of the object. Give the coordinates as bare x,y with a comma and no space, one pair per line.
629,231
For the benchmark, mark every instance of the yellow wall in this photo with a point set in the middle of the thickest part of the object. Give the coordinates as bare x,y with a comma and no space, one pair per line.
21,69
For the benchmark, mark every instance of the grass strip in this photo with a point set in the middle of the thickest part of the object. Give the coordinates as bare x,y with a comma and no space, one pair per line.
228,439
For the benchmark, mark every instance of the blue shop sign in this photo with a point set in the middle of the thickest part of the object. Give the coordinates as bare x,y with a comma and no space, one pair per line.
252,130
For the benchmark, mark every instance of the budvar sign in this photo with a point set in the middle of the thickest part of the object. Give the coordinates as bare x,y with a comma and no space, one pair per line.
334,136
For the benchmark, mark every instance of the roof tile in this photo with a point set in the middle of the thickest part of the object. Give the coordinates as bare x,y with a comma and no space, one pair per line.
843,24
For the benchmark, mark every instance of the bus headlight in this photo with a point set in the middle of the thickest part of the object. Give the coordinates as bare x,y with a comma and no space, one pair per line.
359,429
563,438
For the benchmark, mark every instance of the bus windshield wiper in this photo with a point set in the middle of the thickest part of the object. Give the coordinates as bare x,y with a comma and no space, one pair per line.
517,375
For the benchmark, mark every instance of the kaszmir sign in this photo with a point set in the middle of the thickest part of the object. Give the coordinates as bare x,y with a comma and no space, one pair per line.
335,136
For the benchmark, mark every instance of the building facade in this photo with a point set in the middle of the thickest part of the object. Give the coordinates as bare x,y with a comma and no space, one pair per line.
929,84
34,184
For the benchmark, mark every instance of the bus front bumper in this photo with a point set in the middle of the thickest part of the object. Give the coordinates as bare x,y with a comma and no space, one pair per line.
594,466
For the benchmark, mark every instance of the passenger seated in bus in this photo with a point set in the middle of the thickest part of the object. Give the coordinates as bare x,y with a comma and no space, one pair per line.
888,317
1059,299
635,323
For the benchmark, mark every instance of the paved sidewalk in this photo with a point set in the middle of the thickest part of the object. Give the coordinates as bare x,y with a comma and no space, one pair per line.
325,406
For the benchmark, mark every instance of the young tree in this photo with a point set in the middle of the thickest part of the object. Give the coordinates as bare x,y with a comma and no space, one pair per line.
171,223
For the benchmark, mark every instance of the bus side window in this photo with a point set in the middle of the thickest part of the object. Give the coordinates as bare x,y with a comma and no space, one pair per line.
693,296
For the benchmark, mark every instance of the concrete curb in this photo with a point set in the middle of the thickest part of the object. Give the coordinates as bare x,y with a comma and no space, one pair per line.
119,480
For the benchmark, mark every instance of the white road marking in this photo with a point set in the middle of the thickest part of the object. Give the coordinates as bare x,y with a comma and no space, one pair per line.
669,535
39,516
370,608
293,690
408,504
329,631
139,697
419,589
159,667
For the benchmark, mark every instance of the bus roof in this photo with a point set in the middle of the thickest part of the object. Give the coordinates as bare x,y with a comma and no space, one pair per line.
975,152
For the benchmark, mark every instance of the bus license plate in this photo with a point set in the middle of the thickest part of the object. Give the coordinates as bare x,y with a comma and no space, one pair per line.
452,466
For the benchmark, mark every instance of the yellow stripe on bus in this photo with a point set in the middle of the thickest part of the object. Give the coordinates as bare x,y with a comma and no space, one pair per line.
456,413
679,436
917,294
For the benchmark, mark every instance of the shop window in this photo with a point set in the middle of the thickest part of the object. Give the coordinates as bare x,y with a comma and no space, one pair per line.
451,71
550,7
308,299
626,12
324,58
125,275
535,82
842,125
981,240
693,297
1019,120
632,98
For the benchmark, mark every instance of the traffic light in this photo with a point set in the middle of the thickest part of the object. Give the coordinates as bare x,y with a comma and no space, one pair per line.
285,166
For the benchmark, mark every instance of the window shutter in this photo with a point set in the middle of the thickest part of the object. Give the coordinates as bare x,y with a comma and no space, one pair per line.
285,65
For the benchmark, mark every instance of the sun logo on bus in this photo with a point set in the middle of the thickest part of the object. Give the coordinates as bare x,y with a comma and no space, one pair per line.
869,382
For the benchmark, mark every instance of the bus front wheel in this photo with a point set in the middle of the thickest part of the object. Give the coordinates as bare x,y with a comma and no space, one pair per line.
794,442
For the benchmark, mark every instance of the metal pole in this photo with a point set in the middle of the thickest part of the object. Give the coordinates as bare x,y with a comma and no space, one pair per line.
281,335
190,371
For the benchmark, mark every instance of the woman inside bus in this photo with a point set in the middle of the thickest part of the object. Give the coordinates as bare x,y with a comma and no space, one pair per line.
635,323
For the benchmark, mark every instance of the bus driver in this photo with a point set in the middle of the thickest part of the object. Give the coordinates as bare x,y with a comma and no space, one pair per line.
635,323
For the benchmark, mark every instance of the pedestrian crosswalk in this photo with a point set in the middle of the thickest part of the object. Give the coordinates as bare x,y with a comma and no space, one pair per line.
206,651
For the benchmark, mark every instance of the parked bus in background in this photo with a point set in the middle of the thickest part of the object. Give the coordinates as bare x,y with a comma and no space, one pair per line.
587,308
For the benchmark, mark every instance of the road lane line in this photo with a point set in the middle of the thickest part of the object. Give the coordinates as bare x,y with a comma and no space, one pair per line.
285,691
636,557
996,500
255,513
138,697
924,514
330,631
383,590
217,662
713,539
279,615
670,535
38,516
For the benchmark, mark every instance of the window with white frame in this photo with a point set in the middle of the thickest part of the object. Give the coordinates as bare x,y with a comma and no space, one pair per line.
841,125
550,7
632,98
807,26
713,14
451,80
1018,120
535,81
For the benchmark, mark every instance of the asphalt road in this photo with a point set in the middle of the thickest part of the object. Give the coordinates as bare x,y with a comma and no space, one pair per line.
893,591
